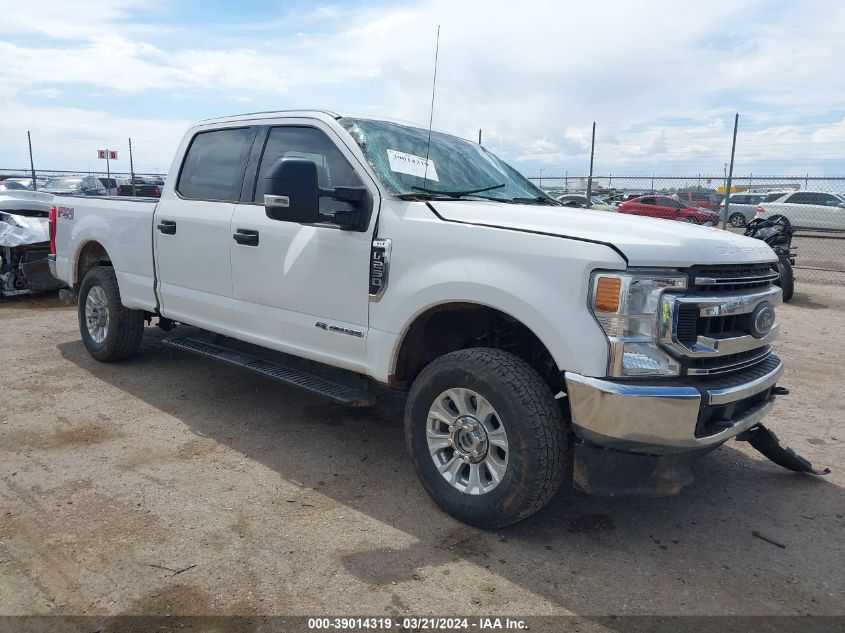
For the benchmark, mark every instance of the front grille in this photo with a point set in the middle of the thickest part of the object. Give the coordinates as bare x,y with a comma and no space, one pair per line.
721,343
690,325
728,277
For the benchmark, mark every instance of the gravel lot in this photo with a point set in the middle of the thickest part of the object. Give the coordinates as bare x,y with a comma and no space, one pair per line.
170,484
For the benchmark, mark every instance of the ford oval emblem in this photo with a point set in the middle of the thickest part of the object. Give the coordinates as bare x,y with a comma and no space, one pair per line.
762,319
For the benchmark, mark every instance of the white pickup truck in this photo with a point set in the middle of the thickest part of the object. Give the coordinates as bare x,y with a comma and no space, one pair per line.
537,343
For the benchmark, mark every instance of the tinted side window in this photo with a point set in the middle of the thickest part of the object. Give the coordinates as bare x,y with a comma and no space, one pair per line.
772,197
668,202
214,165
333,170
647,201
801,198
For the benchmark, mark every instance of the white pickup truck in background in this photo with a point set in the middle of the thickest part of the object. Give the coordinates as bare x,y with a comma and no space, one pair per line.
533,340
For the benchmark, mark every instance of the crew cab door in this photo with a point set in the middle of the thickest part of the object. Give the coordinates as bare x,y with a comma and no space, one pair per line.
302,289
192,232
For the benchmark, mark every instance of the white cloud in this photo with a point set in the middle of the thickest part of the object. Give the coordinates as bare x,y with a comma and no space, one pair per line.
533,75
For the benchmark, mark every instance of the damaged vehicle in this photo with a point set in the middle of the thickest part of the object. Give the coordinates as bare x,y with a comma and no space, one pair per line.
25,243
537,344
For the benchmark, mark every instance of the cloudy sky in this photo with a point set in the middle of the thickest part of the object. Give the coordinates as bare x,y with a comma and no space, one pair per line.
662,79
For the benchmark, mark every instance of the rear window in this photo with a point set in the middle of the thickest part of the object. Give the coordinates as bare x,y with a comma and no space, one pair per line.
773,196
214,165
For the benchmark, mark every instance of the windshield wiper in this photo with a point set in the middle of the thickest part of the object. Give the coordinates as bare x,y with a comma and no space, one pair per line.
458,194
537,200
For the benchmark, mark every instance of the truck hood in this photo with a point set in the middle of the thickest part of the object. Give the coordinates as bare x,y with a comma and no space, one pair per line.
644,241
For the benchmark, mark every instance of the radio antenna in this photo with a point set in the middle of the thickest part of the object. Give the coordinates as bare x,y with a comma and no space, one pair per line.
431,112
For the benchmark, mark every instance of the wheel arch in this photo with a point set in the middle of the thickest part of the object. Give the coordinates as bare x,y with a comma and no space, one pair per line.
90,254
452,325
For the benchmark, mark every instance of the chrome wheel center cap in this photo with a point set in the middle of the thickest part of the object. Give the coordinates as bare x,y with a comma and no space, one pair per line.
470,439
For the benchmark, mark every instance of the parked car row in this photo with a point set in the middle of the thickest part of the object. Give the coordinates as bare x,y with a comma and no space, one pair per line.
144,186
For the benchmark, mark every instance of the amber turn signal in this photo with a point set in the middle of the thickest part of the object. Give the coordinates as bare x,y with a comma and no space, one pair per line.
607,294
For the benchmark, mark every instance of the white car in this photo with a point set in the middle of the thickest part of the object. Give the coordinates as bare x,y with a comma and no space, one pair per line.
808,209
579,200
525,334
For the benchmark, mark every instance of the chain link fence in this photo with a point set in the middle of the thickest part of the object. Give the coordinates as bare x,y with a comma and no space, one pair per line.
90,182
815,206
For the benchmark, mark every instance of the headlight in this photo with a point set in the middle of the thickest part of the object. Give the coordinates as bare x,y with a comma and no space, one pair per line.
626,306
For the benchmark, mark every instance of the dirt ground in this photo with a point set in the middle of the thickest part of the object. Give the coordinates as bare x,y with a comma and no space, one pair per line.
171,484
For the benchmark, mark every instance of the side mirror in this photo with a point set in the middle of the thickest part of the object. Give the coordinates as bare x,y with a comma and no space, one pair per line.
841,205
292,192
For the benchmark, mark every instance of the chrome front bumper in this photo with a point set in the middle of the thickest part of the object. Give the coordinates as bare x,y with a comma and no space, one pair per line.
668,417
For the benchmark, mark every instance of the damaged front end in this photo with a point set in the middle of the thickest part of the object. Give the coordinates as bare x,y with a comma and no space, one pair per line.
25,245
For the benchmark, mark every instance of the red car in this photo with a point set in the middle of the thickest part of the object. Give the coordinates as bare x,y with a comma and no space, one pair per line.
701,199
667,208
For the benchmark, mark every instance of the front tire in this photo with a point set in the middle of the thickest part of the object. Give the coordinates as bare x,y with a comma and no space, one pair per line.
689,219
786,281
109,331
486,436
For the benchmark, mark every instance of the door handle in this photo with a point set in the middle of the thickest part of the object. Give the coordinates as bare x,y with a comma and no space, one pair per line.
246,237
167,226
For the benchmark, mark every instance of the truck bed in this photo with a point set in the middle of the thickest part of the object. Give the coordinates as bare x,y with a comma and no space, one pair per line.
123,227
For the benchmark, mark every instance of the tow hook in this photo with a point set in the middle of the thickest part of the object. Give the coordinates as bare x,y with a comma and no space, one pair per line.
767,443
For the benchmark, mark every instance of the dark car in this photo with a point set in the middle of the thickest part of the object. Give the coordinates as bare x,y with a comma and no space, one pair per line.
12,185
702,199
668,208
75,186
140,190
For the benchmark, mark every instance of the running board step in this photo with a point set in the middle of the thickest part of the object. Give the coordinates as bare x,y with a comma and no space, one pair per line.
335,391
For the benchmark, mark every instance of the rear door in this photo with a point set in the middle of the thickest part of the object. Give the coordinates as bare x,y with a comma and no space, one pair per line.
192,229
299,288
647,205
667,208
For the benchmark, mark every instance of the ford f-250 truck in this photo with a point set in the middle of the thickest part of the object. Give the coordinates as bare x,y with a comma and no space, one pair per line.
536,343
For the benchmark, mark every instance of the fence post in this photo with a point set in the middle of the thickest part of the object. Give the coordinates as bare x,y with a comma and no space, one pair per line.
730,177
31,164
590,177
131,168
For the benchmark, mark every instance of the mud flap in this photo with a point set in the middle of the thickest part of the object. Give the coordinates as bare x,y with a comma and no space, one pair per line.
767,443
610,473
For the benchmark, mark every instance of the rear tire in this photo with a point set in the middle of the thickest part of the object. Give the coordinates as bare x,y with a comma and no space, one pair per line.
485,411
737,220
109,330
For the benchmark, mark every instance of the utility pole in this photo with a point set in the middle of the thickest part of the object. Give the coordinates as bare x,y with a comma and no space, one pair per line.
131,168
31,164
730,177
479,137
108,169
590,177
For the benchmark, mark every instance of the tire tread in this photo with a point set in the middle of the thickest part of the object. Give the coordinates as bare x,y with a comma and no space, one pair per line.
128,324
543,415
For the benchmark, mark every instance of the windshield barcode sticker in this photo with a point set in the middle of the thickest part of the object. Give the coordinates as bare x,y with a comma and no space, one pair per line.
402,163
